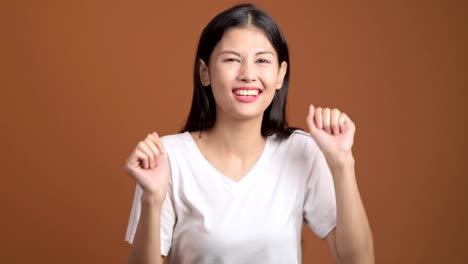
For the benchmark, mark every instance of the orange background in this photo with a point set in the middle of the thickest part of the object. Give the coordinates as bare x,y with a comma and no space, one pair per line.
83,81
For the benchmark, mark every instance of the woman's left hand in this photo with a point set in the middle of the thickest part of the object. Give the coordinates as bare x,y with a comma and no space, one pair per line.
334,132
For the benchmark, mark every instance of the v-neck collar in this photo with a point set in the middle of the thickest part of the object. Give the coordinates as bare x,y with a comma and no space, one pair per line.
245,180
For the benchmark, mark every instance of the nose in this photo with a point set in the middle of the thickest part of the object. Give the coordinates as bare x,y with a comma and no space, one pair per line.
247,72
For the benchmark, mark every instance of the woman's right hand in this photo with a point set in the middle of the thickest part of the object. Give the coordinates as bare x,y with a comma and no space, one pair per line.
148,165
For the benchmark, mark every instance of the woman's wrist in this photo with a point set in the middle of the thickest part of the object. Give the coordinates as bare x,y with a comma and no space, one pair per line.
152,200
340,162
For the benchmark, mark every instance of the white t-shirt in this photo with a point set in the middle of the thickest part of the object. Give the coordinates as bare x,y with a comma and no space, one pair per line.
208,218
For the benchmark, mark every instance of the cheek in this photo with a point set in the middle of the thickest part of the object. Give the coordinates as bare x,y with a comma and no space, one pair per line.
220,83
270,77
222,76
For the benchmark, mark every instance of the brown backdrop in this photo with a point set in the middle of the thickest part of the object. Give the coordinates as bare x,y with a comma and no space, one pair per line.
83,81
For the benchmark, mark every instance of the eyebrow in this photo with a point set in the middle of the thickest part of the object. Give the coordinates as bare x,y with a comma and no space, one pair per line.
239,55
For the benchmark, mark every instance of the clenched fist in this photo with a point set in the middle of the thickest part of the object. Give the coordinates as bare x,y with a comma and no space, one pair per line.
148,165
334,132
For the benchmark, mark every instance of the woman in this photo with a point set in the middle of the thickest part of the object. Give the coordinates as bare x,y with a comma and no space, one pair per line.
237,183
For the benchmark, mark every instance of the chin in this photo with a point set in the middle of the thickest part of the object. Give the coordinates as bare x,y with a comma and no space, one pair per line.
248,115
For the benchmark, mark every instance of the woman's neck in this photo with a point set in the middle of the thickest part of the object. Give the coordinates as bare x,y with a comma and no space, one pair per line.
240,138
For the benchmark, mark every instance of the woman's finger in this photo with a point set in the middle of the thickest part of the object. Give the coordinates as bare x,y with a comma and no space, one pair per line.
326,120
143,158
143,147
157,141
342,121
334,121
153,149
318,117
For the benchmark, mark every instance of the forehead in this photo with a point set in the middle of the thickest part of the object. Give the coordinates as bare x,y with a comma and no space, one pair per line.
245,40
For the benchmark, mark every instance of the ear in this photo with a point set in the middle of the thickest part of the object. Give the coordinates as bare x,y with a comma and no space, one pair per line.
204,73
282,72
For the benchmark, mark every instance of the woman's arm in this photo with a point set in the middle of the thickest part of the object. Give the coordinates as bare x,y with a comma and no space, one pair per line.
148,165
146,247
351,241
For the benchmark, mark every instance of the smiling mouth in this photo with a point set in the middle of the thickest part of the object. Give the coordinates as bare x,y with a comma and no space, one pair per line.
247,92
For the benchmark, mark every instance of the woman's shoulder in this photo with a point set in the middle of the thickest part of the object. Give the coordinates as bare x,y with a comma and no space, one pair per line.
299,142
176,139
300,137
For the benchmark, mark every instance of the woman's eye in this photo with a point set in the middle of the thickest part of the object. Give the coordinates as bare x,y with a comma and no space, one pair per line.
263,61
231,60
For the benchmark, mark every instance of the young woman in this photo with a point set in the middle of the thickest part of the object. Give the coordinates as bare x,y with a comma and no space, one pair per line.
237,183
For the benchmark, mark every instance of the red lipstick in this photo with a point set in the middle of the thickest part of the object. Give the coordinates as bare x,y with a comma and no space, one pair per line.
246,94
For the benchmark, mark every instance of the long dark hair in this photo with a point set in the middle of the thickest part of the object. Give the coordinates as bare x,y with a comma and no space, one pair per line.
203,111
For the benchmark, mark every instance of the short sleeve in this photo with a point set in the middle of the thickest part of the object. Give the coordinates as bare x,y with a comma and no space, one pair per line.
167,220
320,201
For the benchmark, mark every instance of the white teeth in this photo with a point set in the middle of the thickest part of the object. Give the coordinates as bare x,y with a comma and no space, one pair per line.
246,92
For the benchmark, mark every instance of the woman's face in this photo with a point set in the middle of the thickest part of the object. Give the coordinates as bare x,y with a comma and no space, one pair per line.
243,73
